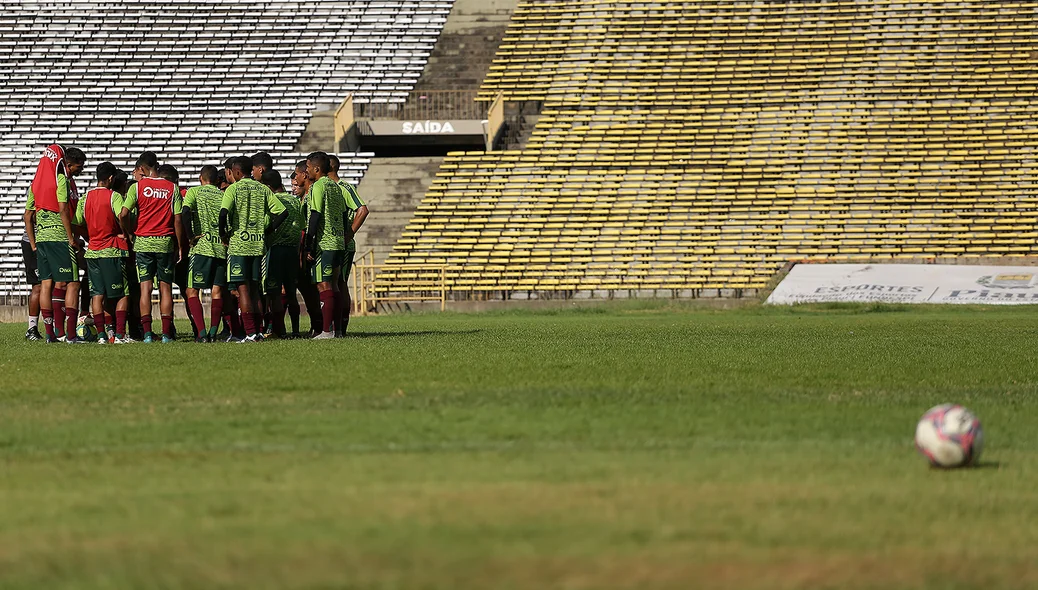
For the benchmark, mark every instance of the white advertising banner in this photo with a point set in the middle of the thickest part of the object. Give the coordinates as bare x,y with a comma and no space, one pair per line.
908,283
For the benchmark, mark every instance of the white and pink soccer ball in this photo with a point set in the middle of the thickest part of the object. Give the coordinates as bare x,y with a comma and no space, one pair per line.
949,435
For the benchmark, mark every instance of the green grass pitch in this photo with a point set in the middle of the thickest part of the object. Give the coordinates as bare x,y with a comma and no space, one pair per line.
640,445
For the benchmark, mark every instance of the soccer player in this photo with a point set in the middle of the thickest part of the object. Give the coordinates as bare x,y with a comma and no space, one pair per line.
280,265
324,244
261,163
208,265
158,206
300,187
106,254
32,275
243,226
56,244
356,213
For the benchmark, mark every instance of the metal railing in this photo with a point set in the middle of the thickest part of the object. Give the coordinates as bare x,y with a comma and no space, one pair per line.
421,283
427,104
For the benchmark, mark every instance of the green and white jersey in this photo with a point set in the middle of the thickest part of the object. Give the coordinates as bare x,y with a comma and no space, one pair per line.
248,202
48,227
326,198
205,201
289,232
353,202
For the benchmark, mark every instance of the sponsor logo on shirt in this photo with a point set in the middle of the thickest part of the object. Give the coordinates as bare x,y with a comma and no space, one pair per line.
151,192
50,154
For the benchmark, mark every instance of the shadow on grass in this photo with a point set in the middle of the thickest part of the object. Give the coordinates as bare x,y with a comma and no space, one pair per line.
411,333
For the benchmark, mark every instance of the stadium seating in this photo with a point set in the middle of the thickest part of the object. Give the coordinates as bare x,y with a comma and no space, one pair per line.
701,145
195,81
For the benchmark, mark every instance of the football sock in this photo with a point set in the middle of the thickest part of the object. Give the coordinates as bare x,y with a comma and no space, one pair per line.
48,322
194,305
327,309
250,323
146,324
232,321
33,322
71,317
120,323
167,325
215,313
57,302
99,324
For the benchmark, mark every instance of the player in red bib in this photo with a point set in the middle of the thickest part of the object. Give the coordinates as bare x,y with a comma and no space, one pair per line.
158,205
52,198
106,255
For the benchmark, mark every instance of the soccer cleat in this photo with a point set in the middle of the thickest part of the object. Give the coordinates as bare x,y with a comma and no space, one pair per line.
293,336
251,338
124,340
33,335
325,336
147,338
102,341
167,339
203,339
233,339
62,338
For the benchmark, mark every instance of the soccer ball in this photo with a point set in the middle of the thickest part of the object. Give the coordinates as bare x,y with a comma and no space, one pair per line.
949,435
85,329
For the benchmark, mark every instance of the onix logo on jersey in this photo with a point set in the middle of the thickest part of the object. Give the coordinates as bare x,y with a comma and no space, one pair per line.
116,286
151,192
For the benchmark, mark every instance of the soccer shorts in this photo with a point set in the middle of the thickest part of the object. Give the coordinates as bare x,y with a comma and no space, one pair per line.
32,274
155,265
107,277
243,269
57,262
325,264
280,269
205,272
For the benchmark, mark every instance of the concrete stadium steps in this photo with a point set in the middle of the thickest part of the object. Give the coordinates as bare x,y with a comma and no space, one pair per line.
467,45
392,188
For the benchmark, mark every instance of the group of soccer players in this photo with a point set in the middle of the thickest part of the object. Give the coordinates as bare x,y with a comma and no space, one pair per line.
238,234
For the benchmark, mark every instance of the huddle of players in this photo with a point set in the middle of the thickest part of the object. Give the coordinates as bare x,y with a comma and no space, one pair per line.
242,236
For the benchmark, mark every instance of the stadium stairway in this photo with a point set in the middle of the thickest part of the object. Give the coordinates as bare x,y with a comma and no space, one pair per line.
392,188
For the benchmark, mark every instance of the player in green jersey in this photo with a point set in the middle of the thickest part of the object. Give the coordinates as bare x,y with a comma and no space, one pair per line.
325,240
207,268
355,215
300,187
280,265
243,226
261,163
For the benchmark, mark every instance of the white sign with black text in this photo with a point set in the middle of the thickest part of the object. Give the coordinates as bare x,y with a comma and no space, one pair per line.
908,283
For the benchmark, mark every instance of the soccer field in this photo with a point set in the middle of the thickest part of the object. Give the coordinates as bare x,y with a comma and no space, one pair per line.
642,445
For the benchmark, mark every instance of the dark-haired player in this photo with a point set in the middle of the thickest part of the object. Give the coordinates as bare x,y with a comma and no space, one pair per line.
106,254
158,205
356,213
324,244
49,198
208,263
300,188
243,226
261,163
280,265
